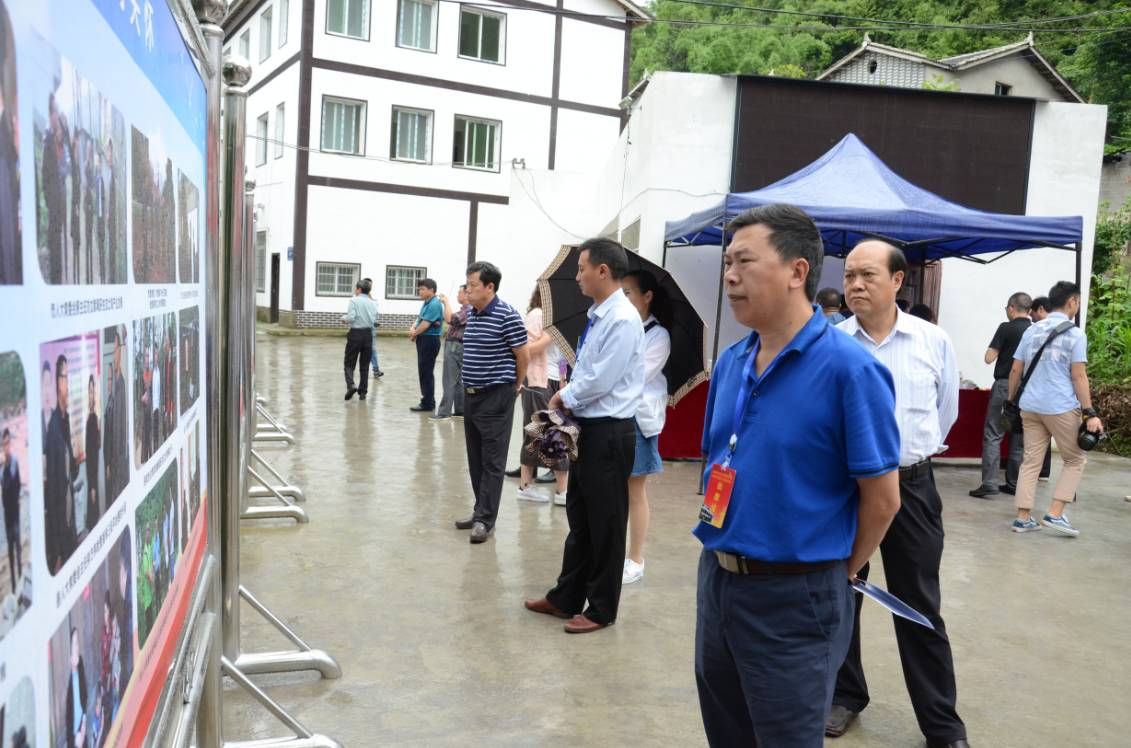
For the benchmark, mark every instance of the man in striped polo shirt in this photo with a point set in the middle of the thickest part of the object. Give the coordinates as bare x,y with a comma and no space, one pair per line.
494,366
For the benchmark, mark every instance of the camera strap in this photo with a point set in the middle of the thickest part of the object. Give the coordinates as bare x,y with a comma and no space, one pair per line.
1062,327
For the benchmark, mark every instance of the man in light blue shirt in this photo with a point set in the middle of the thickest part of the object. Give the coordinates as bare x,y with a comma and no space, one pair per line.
1057,398
361,316
607,385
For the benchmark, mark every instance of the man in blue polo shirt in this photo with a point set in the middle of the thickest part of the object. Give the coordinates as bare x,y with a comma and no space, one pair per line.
425,333
803,449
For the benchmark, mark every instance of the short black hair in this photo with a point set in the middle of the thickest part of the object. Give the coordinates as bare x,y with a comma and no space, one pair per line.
828,297
1061,293
922,311
59,364
897,261
903,304
365,285
426,283
607,252
488,273
7,434
792,233
1021,301
1041,302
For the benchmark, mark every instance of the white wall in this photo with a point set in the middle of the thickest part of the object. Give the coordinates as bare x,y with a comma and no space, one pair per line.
279,55
378,229
1064,177
592,61
1013,71
584,141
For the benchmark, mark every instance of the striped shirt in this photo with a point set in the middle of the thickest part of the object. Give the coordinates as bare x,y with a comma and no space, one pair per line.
921,359
487,342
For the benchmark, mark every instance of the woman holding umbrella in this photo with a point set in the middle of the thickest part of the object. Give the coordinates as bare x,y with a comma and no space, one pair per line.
651,302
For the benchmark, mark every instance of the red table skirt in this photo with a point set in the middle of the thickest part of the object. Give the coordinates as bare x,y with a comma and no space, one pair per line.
683,432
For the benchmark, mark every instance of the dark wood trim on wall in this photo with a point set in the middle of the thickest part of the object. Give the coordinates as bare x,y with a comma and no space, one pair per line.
302,158
404,189
423,80
555,89
276,72
571,15
626,72
472,230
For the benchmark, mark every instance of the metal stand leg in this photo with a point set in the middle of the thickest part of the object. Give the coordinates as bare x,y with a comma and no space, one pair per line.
303,738
287,510
305,658
272,423
263,492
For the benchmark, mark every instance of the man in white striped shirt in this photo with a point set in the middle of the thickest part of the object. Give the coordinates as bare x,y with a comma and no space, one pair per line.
921,359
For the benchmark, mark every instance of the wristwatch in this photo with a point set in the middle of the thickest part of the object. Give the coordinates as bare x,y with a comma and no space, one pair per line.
1090,413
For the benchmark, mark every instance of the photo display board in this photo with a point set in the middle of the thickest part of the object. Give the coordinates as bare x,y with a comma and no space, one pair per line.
102,408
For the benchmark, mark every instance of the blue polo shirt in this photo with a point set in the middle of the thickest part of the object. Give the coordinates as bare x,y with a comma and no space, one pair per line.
821,415
432,311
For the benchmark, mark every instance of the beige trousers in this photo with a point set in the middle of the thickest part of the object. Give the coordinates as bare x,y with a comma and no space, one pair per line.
1063,427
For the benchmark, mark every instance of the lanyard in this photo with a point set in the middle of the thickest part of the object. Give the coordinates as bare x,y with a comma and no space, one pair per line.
743,399
581,340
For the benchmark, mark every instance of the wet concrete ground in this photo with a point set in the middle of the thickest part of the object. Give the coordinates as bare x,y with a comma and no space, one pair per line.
437,650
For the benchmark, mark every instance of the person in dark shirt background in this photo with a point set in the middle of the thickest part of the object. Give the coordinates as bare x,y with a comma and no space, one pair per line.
93,455
1000,354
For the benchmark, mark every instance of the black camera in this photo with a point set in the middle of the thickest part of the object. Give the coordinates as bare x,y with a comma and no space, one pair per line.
1087,440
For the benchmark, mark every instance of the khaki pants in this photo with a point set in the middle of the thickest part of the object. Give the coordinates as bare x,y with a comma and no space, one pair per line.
1064,427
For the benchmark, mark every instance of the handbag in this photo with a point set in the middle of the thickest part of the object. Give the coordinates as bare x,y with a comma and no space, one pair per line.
1011,409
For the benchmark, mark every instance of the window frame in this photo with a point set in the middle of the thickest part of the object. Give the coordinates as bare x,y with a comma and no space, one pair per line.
280,128
349,292
284,22
498,143
261,262
261,138
431,134
244,40
266,49
342,35
361,129
435,29
1002,89
415,295
481,11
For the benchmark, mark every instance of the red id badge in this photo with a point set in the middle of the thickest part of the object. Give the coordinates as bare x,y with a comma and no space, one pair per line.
717,497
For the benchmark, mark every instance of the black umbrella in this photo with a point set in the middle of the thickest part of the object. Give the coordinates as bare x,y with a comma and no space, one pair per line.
564,316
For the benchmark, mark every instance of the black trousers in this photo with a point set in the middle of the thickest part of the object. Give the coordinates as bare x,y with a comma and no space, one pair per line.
359,347
912,551
597,511
427,348
487,419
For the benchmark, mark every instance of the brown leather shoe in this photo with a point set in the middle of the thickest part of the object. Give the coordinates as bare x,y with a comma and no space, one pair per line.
544,606
838,721
579,624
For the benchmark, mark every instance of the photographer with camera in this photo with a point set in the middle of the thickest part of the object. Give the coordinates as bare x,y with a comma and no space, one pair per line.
1055,402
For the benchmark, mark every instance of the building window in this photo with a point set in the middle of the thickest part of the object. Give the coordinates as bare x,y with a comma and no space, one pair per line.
477,143
245,45
279,130
400,282
265,34
335,278
261,261
348,18
1002,89
343,125
482,35
284,21
412,135
261,140
416,24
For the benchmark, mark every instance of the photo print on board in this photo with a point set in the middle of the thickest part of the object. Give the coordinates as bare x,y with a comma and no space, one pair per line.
11,248
80,141
188,214
158,521
190,356
154,210
154,383
91,655
15,559
17,717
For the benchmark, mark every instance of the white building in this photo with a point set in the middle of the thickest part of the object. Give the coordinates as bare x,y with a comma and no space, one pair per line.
384,133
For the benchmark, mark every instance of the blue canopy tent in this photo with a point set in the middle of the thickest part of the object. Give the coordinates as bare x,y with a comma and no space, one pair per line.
852,195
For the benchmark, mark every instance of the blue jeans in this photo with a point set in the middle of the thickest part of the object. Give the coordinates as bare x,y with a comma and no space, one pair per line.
373,356
767,650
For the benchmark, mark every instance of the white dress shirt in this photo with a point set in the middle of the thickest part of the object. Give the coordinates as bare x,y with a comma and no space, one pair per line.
608,380
653,409
921,359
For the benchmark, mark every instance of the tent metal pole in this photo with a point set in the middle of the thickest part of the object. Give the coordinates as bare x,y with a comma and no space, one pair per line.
1079,275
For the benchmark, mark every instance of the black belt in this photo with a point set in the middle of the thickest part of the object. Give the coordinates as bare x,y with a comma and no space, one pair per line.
919,470
487,388
601,420
736,564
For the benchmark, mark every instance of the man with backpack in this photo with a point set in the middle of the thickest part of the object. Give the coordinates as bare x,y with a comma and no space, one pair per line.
1049,384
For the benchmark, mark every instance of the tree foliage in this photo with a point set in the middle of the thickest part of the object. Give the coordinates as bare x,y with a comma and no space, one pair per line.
1098,65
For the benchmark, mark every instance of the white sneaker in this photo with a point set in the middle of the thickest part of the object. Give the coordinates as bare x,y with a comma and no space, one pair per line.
560,498
531,494
633,572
